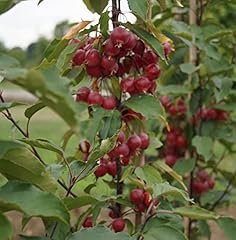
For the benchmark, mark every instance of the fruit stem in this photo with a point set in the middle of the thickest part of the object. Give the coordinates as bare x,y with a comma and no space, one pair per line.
115,12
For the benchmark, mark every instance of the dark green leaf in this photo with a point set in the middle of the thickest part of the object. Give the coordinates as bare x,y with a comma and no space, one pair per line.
139,8
33,238
99,233
96,6
28,199
148,38
5,227
29,112
173,89
104,23
188,68
203,145
6,5
228,225
184,166
147,105
79,202
18,162
164,233
195,212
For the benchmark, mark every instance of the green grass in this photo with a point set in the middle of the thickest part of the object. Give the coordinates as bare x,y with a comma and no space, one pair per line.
45,125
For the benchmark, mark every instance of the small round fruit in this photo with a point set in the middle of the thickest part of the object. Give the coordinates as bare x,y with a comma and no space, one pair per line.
82,94
145,141
127,84
139,48
142,84
109,102
119,36
94,71
136,196
112,214
203,175
95,98
152,71
101,170
108,63
170,160
79,57
125,161
131,42
146,199
111,168
118,225
121,137
150,57
172,110
88,223
122,150
165,101
110,49
181,142
134,142
211,183
167,48
211,114
140,207
92,58
84,146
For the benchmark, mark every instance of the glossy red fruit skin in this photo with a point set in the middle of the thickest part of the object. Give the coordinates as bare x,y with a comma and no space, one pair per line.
167,48
165,101
84,146
152,71
79,57
150,57
101,170
132,41
125,161
94,71
82,94
108,63
203,175
110,49
92,58
112,214
121,137
127,84
119,36
142,84
109,102
118,225
95,98
139,48
211,183
181,142
172,110
122,150
211,114
88,223
170,160
198,187
111,168
136,196
145,141
140,207
146,199
134,142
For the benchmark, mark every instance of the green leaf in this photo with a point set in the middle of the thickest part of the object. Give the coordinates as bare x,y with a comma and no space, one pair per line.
228,225
104,23
96,6
166,169
184,166
203,145
8,105
33,238
139,8
147,105
111,124
28,199
51,89
18,162
148,38
8,62
99,233
188,68
5,227
195,212
44,144
79,202
56,170
29,112
173,89
164,233
149,174
165,189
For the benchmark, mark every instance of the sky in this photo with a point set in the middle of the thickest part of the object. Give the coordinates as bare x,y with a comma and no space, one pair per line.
27,21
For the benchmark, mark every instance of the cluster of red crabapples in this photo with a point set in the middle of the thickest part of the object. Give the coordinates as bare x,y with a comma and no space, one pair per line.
210,114
174,146
176,108
124,151
202,183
